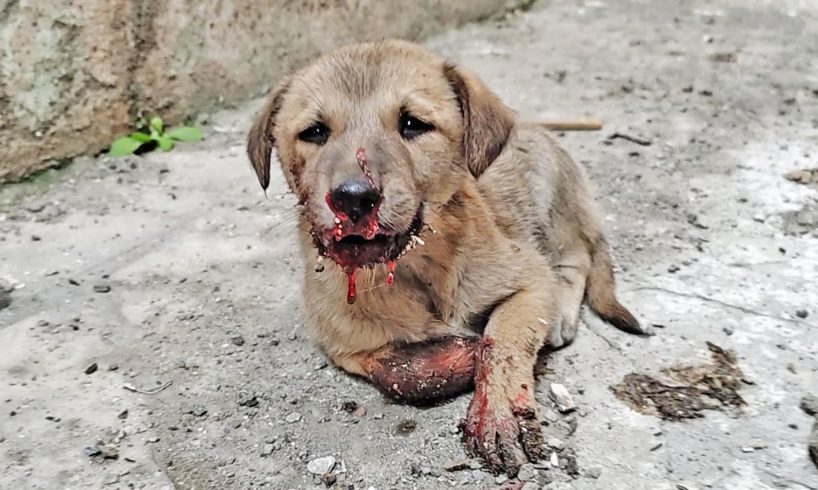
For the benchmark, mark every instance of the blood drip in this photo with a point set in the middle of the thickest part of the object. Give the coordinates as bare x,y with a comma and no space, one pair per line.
390,274
352,292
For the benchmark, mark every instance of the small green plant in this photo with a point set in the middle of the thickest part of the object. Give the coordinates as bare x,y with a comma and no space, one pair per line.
127,145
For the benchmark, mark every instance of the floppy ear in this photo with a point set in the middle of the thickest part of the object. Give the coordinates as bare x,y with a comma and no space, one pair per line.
487,122
260,141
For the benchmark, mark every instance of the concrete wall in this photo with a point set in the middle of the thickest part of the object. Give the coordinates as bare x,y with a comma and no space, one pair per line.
74,74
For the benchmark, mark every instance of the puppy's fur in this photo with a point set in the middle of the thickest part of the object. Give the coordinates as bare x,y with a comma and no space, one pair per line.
517,243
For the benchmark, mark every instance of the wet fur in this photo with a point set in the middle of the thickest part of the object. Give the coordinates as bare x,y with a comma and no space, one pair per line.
519,242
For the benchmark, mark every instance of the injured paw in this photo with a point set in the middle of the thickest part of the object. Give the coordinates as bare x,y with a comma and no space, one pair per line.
501,425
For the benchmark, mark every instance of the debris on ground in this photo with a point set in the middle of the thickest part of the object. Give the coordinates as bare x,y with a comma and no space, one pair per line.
5,295
805,176
812,443
562,398
809,404
688,390
321,466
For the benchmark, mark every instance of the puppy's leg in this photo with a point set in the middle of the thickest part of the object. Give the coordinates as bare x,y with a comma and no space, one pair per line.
418,373
501,423
571,270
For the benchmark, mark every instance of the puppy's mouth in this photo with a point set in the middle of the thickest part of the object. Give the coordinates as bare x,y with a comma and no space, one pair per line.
367,243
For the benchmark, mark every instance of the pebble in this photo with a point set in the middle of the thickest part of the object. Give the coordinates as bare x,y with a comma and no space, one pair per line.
238,340
91,369
555,460
555,443
292,418
562,398
479,476
528,473
198,411
812,444
530,486
809,404
267,450
593,472
321,466
102,288
802,313
500,479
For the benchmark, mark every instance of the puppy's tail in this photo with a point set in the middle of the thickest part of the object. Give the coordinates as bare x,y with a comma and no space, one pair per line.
600,291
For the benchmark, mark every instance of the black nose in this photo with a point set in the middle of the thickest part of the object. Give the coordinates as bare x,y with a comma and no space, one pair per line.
355,198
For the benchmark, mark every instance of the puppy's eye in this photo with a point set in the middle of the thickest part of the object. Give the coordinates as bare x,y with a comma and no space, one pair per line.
316,134
411,127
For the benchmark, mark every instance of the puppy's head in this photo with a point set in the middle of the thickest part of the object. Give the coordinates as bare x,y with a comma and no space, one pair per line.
373,139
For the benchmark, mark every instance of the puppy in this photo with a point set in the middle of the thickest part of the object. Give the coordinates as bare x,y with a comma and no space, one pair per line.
459,241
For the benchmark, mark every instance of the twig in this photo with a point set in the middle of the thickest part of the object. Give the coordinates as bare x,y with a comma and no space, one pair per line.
632,139
743,309
154,391
572,125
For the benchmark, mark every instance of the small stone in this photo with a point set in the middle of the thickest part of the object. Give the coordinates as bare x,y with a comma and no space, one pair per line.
91,369
530,486
801,313
292,418
198,411
102,288
593,472
321,466
500,479
528,473
554,460
92,451
673,269
809,404
237,340
267,450
329,479
248,400
812,444
551,416
123,415
727,330
555,443
35,238
479,476
562,398
747,449
800,176
406,427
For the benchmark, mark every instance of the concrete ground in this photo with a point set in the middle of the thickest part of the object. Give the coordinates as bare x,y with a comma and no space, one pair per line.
713,244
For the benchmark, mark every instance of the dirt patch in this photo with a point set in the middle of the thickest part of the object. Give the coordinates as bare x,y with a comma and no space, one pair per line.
688,390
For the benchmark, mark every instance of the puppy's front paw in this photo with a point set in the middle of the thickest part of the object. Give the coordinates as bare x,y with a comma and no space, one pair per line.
501,424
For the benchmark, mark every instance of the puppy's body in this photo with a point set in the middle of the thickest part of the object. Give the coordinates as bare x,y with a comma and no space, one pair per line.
512,242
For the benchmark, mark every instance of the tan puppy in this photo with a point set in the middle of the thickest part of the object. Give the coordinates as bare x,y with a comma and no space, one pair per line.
460,241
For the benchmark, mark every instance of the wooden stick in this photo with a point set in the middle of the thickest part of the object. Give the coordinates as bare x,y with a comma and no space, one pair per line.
591,124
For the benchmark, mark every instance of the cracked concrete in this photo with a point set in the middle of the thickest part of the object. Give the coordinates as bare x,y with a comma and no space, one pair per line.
713,244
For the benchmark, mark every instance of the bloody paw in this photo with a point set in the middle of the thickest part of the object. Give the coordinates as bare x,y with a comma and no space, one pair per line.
501,427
